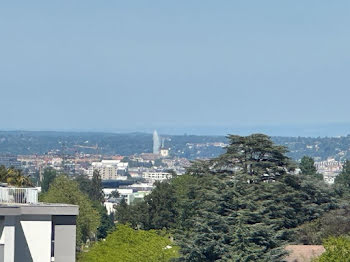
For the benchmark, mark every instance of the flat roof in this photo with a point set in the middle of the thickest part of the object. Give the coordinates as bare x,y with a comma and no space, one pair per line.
15,209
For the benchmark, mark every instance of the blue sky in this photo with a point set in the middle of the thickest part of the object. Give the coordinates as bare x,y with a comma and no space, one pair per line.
176,65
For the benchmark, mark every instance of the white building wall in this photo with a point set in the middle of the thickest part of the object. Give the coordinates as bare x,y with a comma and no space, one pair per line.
156,176
34,233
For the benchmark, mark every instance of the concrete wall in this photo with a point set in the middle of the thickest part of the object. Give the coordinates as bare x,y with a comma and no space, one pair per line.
2,247
64,237
27,233
33,238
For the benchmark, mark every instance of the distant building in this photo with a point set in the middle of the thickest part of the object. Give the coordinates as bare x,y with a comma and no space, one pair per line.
126,193
329,169
156,176
129,194
9,161
110,169
148,157
164,152
135,172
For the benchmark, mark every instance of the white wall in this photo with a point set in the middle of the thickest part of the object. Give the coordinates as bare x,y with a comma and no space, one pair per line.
37,235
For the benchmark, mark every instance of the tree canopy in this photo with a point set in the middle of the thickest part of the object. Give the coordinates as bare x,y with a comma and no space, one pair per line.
342,181
129,245
334,223
49,176
14,177
337,250
307,167
64,190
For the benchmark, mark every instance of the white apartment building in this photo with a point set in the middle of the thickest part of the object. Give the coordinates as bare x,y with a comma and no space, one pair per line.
156,176
109,169
329,169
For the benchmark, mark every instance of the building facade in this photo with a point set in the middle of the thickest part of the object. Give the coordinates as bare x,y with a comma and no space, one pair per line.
110,169
156,176
35,232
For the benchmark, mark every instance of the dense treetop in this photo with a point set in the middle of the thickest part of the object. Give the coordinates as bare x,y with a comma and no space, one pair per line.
129,245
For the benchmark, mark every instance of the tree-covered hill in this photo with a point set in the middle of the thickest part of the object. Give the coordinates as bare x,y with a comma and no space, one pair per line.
189,146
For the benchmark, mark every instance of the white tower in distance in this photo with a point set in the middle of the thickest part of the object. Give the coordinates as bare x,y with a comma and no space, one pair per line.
156,143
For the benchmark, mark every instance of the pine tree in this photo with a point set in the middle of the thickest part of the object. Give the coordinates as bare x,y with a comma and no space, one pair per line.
96,193
246,203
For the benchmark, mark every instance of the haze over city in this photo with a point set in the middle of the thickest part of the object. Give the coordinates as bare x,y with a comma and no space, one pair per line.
199,67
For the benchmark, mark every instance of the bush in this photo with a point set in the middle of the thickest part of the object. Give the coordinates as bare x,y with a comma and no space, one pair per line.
129,245
337,250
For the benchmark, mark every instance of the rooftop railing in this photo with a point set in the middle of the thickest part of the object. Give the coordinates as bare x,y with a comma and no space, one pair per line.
18,195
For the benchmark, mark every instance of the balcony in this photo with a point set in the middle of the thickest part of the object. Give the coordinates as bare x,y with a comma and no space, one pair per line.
9,195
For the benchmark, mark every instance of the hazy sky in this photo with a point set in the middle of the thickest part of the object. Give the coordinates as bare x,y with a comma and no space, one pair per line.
132,65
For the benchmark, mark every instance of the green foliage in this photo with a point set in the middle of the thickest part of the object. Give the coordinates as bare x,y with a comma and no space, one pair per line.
337,250
85,184
307,167
241,206
245,204
160,207
333,223
49,176
93,189
158,210
96,193
106,222
342,181
129,245
14,177
64,190
165,208
124,213
184,187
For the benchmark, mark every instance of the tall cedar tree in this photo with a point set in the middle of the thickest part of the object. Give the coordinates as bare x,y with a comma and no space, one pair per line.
245,203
